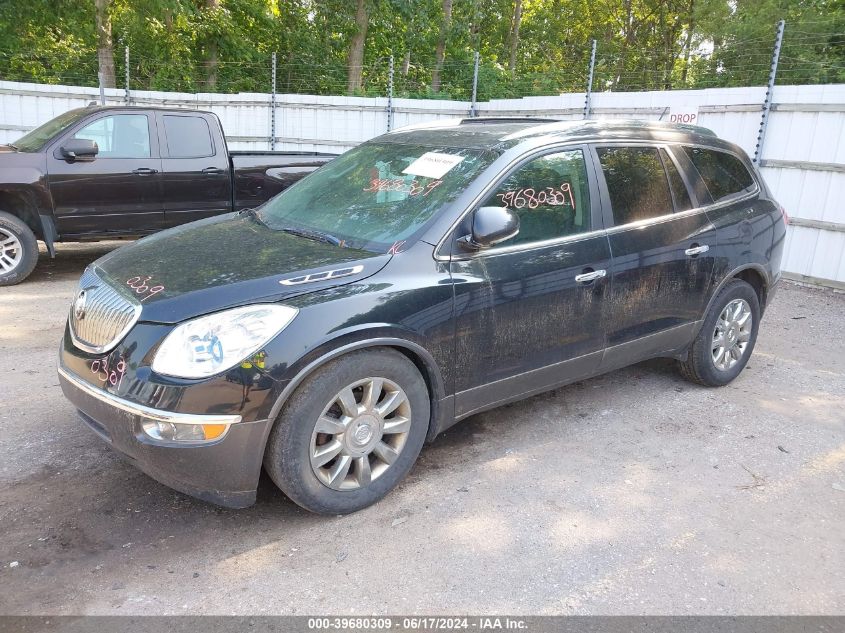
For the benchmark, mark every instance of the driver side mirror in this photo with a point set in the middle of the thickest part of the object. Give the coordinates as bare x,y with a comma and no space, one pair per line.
490,226
76,148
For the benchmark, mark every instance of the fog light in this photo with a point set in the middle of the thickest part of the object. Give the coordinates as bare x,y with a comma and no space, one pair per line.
184,432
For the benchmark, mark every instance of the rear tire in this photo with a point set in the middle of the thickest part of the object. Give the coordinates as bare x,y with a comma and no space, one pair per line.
350,432
726,340
18,250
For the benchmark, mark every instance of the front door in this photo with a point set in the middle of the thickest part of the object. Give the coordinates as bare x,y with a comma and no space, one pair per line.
662,246
117,192
529,310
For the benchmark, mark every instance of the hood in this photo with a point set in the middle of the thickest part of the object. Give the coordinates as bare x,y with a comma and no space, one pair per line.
4,149
223,262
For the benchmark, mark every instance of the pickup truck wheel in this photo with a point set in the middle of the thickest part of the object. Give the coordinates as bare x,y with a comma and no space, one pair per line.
18,250
724,344
350,432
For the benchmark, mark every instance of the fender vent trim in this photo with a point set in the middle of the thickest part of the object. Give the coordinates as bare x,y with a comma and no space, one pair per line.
325,275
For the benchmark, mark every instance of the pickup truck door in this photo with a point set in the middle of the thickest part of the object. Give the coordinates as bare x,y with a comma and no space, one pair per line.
119,190
197,178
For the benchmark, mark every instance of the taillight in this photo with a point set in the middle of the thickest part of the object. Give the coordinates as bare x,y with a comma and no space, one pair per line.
784,214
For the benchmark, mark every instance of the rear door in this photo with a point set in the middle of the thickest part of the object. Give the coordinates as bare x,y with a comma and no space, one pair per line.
197,179
529,311
742,219
119,191
662,244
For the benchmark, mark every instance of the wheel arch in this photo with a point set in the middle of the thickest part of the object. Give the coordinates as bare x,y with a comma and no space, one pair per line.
753,274
757,279
18,204
416,353
25,204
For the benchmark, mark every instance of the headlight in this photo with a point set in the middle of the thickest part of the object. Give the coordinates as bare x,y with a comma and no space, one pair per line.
217,342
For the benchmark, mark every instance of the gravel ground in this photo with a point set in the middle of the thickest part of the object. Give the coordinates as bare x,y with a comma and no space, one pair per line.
632,493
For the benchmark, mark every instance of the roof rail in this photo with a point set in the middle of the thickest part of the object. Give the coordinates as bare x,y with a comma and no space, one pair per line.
509,119
662,125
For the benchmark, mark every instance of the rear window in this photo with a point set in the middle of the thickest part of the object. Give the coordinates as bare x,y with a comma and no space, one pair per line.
187,136
723,174
636,183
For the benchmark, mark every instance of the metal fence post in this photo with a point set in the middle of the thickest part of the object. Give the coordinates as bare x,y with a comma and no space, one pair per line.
588,105
273,109
390,94
473,108
126,65
767,103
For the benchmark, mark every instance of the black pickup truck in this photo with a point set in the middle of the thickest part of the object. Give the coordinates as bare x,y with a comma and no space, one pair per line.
120,172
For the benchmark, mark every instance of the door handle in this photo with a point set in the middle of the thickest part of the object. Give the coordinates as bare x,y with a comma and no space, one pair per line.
695,250
212,171
587,277
144,171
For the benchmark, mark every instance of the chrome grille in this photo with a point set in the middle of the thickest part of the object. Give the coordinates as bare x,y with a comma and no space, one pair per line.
100,316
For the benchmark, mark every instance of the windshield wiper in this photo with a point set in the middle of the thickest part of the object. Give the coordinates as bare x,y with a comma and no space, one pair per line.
317,236
14,147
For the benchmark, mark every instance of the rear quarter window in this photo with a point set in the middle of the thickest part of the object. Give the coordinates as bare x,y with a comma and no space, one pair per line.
723,174
679,189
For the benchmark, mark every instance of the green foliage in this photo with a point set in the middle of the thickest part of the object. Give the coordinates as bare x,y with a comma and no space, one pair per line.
195,45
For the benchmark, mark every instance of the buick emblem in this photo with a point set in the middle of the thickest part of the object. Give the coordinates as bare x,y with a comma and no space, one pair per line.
79,305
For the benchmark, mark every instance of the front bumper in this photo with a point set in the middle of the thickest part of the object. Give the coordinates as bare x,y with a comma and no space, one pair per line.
224,471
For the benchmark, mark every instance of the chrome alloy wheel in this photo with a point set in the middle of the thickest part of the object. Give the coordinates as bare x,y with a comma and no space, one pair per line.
360,433
11,252
732,334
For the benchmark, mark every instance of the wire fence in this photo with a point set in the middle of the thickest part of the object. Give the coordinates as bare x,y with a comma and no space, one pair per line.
807,57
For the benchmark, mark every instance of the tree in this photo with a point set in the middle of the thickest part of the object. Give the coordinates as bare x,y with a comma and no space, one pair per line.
527,47
212,6
105,48
440,51
690,30
355,61
513,36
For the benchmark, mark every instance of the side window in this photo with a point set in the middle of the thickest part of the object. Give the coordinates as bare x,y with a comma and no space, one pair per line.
551,196
119,136
676,183
636,183
724,174
187,137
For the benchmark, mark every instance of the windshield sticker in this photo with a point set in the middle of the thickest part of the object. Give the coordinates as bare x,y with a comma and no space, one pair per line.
432,165
531,198
142,286
414,188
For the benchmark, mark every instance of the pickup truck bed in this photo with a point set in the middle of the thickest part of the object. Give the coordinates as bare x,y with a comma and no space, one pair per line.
261,175
105,172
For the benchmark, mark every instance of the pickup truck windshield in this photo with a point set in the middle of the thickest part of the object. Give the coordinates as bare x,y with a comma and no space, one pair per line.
376,196
34,140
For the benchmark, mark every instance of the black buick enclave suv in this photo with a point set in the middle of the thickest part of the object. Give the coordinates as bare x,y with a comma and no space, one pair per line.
422,277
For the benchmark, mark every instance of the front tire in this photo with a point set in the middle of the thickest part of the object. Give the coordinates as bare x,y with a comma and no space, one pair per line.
727,337
350,432
18,250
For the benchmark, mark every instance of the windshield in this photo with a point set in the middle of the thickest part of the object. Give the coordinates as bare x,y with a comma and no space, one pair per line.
377,196
35,140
